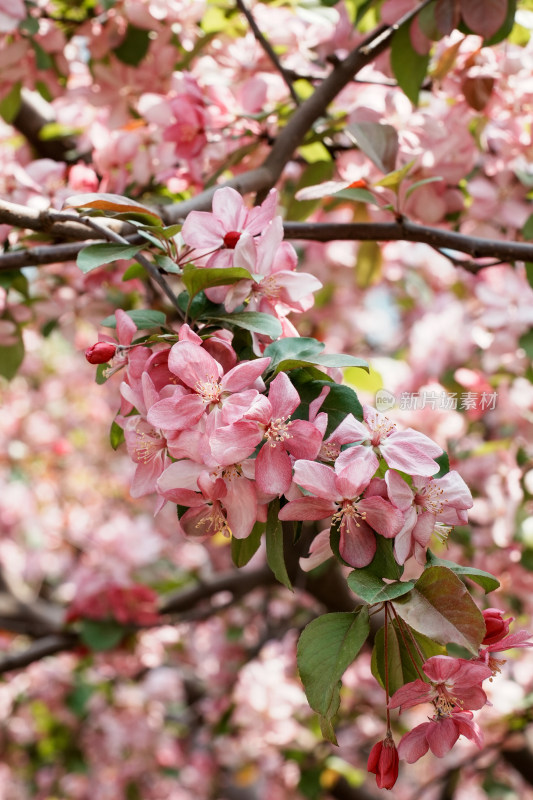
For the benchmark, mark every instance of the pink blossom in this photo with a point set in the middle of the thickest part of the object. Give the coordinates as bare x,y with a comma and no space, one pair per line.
497,628
454,683
439,735
431,505
338,493
221,229
209,388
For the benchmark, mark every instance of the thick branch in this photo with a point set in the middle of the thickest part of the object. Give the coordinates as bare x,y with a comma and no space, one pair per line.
47,646
33,115
438,238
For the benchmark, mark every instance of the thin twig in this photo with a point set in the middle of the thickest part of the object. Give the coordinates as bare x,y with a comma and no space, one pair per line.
267,47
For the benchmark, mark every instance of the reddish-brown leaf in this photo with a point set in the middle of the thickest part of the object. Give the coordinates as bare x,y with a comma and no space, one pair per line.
484,17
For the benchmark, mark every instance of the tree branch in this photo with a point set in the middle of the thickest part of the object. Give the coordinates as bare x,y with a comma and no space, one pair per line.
438,238
267,47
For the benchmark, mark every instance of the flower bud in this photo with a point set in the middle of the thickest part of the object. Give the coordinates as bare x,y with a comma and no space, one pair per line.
100,353
383,762
497,627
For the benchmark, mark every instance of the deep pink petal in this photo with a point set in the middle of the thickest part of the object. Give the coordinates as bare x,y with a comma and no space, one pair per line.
126,328
233,443
467,727
273,469
357,544
382,516
240,503
307,508
414,745
305,440
283,397
411,694
441,736
177,412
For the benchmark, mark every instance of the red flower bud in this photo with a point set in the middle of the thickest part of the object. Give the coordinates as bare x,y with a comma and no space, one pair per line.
383,762
497,627
100,353
231,238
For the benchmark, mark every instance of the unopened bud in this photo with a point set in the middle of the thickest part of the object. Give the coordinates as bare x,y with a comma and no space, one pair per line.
100,353
497,627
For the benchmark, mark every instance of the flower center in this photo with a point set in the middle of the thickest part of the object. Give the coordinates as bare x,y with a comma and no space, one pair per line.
430,498
381,430
209,390
349,509
268,287
214,522
329,451
148,445
278,431
231,238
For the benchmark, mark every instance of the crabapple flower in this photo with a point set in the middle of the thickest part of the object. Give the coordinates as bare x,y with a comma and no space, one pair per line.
221,229
439,735
337,493
383,762
209,389
408,450
100,352
454,683
497,627
431,505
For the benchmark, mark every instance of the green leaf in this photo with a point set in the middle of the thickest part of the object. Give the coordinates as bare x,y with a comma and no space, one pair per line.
101,635
326,648
255,321
293,348
242,550
10,103
417,184
340,400
358,195
394,179
529,272
373,589
409,67
95,255
144,319
402,655
440,606
42,58
134,46
487,581
274,545
379,142
116,435
100,375
197,279
168,264
444,463
12,356
527,230
115,203
384,565
135,271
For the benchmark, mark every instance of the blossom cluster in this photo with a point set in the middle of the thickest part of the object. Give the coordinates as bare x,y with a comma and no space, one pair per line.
454,687
222,437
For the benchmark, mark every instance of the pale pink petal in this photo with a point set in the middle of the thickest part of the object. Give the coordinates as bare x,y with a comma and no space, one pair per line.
193,365
355,471
180,475
456,492
177,412
423,529
203,231
518,639
244,374
260,216
228,207
317,478
126,328
400,493
233,443
186,334
411,452
319,551
350,430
